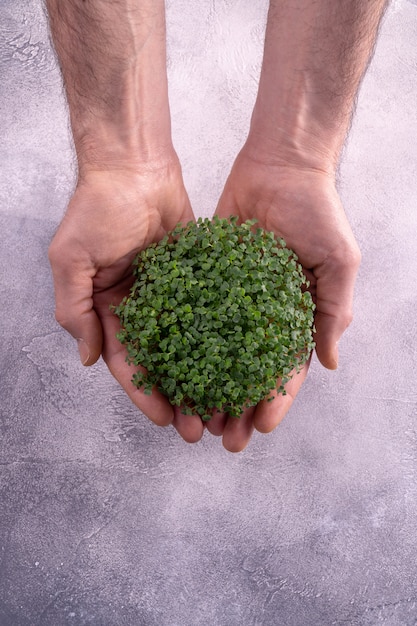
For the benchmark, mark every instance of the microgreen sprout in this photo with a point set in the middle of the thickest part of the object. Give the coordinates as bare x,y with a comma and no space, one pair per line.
219,316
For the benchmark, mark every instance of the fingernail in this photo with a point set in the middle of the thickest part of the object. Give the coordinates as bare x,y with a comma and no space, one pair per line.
84,351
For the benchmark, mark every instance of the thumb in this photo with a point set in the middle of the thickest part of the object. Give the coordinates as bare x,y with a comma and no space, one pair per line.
74,310
328,332
335,287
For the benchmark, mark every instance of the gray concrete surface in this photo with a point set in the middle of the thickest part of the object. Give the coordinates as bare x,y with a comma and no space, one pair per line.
106,520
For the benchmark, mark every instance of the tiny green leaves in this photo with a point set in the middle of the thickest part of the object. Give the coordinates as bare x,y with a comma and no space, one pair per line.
219,316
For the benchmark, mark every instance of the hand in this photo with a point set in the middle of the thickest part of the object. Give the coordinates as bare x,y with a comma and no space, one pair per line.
113,214
302,206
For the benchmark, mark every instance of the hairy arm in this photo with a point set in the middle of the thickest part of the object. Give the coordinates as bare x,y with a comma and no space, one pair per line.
316,53
112,57
130,190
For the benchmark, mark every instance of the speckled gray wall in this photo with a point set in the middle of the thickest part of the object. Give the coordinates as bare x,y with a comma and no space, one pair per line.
106,520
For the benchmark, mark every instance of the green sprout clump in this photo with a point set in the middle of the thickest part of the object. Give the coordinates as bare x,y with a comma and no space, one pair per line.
219,316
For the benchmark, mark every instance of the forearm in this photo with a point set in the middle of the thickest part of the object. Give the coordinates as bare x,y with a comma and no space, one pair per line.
113,60
316,52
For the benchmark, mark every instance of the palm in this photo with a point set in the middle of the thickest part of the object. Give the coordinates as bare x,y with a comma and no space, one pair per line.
109,219
303,207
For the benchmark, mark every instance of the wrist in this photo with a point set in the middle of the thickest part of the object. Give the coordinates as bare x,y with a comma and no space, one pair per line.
130,123
111,146
296,138
115,164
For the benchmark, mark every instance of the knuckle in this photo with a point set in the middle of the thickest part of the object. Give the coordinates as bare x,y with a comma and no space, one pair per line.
348,318
356,256
344,262
348,255
62,317
62,321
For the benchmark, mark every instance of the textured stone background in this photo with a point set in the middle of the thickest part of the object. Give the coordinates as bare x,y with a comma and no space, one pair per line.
106,520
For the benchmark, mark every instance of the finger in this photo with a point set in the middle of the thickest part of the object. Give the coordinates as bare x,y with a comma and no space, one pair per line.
269,414
327,335
73,284
155,406
334,291
226,207
238,431
189,427
216,425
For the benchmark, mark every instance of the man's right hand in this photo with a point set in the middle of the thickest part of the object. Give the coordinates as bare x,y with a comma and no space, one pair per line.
112,215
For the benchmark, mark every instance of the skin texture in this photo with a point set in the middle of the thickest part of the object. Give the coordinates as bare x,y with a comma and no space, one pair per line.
130,190
95,270
314,58
282,199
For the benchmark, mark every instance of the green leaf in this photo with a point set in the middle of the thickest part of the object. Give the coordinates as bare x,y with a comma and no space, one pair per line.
217,314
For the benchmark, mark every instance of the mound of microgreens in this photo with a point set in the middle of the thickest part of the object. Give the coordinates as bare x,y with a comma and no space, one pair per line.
218,314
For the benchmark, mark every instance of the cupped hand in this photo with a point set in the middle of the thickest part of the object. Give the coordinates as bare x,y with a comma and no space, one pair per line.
302,206
112,215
